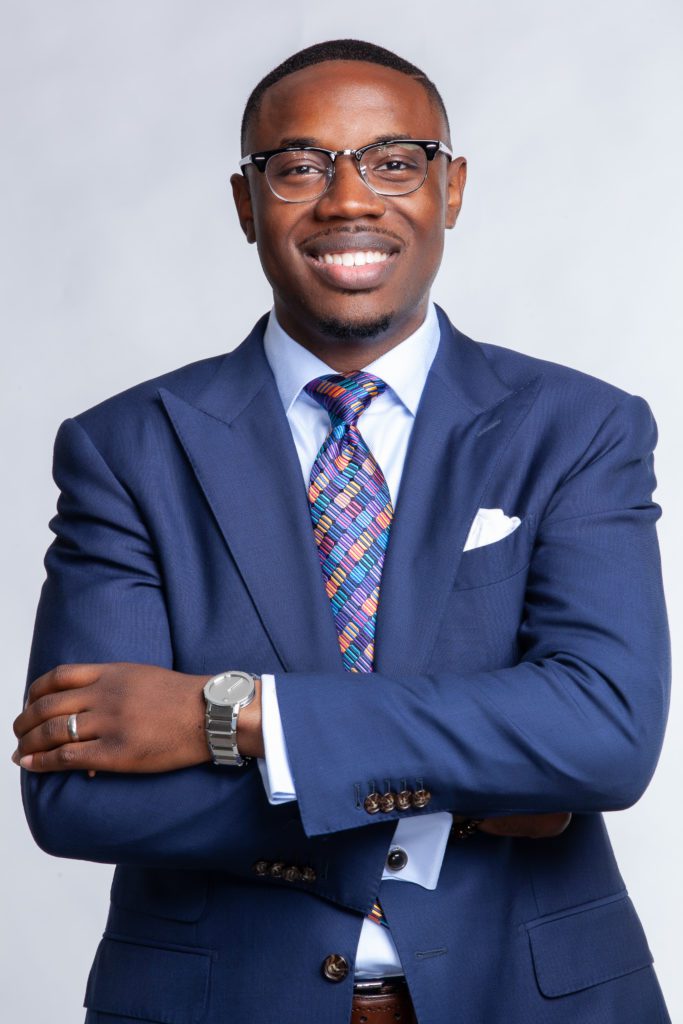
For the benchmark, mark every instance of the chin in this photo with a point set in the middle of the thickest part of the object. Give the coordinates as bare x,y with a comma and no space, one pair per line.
357,328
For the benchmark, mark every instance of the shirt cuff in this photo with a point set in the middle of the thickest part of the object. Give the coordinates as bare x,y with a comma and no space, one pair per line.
274,768
423,840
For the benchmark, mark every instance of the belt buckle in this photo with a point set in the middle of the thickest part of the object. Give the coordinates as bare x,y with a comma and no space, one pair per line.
374,986
368,988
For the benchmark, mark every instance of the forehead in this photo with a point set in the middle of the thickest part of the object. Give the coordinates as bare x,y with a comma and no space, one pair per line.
340,104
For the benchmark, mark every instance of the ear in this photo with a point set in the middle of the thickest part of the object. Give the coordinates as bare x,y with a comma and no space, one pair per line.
457,176
242,197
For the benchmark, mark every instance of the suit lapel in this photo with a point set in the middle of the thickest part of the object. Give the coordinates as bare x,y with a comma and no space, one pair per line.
238,441
239,444
465,420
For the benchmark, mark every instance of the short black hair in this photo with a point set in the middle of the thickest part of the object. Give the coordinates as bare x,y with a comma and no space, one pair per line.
336,49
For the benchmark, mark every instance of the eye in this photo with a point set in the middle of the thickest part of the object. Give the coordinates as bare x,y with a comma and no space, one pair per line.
395,162
299,170
293,166
392,165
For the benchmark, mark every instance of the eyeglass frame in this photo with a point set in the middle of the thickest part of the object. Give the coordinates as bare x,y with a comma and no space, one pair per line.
430,147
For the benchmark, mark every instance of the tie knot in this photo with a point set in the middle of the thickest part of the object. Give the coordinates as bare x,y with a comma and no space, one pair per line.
345,398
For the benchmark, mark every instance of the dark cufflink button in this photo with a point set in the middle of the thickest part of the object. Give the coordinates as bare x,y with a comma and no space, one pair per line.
308,875
421,798
277,869
291,874
397,859
404,799
465,829
261,867
387,802
335,967
371,803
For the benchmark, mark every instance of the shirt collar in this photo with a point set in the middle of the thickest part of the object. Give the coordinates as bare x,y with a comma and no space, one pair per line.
404,367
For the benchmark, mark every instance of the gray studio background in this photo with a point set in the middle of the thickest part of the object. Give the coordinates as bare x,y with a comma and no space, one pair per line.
121,258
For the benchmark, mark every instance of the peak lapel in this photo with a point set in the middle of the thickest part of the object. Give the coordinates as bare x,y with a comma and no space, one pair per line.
465,420
238,441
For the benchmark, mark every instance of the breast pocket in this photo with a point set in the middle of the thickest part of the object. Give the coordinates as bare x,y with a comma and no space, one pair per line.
492,563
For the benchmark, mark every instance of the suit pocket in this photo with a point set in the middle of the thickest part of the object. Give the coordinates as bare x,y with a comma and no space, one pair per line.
492,563
587,945
170,894
164,984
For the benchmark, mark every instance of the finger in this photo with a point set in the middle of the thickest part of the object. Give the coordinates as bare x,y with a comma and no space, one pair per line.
527,826
55,733
553,825
63,677
69,757
508,825
52,705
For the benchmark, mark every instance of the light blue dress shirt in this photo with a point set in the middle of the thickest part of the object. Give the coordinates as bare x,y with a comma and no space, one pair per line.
386,427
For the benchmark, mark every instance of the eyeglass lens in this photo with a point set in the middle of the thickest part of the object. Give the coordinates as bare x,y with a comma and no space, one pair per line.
390,170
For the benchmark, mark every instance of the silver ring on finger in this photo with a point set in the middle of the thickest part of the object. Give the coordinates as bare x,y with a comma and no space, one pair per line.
72,727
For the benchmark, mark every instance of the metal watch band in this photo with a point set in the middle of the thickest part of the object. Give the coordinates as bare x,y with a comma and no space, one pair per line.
221,724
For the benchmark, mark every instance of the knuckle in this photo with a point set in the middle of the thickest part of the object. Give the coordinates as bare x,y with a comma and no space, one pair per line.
51,729
45,707
66,756
62,674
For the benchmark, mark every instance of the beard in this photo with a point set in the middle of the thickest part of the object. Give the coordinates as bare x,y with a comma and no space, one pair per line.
359,330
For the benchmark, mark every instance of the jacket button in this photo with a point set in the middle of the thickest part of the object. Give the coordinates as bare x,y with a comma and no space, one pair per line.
335,967
404,799
291,874
397,859
387,802
421,798
308,874
276,869
371,803
261,867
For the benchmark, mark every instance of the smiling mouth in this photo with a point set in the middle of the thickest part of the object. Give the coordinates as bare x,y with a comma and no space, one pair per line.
354,258
352,269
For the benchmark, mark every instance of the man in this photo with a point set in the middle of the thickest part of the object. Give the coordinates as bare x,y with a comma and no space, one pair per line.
452,641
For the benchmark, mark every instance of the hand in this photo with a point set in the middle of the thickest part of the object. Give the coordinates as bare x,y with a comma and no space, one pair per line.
131,718
524,826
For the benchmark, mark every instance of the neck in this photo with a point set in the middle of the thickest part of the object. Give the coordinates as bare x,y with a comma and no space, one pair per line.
348,354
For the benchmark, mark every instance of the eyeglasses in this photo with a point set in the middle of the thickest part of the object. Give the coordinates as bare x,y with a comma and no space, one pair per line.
302,173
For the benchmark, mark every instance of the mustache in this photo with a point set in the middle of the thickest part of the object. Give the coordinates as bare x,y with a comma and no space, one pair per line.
357,229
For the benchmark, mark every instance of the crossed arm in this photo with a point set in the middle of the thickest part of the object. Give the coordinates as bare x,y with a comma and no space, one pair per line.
147,719
578,723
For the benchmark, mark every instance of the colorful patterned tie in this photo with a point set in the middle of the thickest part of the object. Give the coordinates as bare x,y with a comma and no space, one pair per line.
351,512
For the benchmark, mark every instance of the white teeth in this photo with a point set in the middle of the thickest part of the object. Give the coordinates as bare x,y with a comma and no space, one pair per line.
354,259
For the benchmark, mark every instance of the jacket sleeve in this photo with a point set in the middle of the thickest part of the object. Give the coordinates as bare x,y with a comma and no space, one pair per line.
103,600
577,724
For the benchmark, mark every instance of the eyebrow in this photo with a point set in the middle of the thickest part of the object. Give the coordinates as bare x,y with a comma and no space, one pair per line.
305,141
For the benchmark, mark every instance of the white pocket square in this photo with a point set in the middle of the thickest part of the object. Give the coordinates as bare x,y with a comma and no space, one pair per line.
490,525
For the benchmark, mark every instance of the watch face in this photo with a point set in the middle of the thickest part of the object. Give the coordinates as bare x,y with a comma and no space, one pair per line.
230,688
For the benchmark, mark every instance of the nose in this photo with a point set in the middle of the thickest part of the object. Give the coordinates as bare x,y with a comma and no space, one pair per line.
348,197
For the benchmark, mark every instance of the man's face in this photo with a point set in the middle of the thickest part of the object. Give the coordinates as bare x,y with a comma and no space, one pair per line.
339,105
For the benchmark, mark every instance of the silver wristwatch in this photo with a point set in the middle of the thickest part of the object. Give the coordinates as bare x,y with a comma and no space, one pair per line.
226,694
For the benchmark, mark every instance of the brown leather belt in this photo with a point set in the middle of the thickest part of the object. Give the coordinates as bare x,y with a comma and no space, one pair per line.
381,1001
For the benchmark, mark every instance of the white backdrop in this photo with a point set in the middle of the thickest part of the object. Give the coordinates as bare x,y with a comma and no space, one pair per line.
121,258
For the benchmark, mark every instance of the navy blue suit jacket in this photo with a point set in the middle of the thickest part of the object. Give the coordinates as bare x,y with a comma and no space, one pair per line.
526,675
